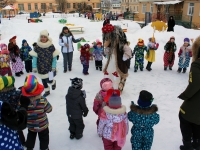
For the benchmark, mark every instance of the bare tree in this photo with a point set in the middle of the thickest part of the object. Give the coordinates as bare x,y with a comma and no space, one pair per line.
62,4
4,3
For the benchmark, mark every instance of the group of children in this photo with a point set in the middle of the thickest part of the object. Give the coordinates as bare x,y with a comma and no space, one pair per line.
15,55
185,53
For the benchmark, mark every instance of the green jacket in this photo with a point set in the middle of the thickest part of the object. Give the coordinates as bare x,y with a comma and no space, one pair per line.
190,109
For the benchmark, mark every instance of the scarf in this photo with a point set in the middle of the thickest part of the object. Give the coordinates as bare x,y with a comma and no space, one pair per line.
67,35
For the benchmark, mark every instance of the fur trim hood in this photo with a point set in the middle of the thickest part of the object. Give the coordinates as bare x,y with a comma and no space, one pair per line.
196,49
144,111
118,111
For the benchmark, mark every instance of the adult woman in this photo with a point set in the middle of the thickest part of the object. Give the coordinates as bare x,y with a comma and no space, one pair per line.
171,24
189,111
66,40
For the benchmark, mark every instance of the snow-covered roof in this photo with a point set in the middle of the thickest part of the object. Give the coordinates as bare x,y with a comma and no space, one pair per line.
168,2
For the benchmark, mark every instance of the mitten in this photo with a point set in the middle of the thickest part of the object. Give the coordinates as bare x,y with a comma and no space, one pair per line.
13,60
24,101
85,114
58,57
35,70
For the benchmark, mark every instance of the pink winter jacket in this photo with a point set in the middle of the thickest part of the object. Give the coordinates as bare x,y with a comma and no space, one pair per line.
113,124
98,102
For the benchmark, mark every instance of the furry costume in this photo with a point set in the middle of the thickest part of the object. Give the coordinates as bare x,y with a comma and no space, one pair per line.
117,51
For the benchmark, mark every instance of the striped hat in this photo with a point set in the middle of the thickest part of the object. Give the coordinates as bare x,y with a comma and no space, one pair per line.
3,82
11,81
32,87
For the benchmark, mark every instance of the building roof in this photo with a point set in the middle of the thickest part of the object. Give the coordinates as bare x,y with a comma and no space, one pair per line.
168,2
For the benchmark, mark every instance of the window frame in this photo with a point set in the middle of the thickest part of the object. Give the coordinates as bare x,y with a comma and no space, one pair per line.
143,8
192,8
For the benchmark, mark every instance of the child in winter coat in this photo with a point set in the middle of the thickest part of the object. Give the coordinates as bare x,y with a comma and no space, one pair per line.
44,60
5,61
17,64
37,121
98,55
139,55
169,55
11,121
99,102
25,49
76,108
9,94
143,116
152,46
113,124
184,55
85,58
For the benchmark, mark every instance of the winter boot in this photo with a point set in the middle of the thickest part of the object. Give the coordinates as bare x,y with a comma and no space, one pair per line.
53,85
196,144
170,68
21,72
165,68
100,68
47,92
187,145
72,136
135,70
65,71
141,69
179,70
148,66
17,74
79,136
29,149
184,70
96,68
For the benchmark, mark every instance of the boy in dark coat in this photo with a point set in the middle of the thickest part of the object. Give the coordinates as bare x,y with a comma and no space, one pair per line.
76,108
189,111
171,24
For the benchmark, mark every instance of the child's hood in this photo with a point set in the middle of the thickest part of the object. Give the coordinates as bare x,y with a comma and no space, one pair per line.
144,111
116,115
74,93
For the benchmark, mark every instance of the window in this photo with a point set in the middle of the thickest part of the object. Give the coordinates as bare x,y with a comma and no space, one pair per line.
151,8
43,6
144,7
29,6
50,5
190,9
36,6
21,6
98,5
79,5
74,5
68,5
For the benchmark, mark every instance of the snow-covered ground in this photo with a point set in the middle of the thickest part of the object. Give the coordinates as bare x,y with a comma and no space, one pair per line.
164,85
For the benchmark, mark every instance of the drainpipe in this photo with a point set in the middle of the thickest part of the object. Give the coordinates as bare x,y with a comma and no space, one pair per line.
191,21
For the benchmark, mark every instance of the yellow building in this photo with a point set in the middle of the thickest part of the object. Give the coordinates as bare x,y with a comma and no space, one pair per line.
50,5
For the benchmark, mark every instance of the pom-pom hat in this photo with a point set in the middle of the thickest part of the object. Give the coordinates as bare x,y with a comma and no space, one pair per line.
140,42
32,87
145,99
186,40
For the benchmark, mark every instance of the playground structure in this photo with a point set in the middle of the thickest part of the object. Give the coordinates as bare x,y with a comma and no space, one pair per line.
75,29
62,21
34,18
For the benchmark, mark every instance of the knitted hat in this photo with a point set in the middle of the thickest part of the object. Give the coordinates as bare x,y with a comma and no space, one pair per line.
44,33
32,87
172,37
106,84
3,82
140,42
24,41
12,39
86,46
77,83
108,28
113,98
145,99
11,81
3,46
186,40
99,43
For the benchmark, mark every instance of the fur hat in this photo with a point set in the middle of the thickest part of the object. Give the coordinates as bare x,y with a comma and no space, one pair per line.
12,39
186,40
3,46
196,49
145,99
44,33
24,41
77,83
113,98
140,42
32,87
106,84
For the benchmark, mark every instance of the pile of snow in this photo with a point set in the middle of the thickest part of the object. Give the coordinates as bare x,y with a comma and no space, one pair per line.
164,85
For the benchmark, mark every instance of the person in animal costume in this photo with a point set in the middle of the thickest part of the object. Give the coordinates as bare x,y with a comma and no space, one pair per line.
189,120
45,60
118,53
5,61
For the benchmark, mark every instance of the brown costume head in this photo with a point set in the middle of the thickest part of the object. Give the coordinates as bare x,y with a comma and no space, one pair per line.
13,40
113,37
196,49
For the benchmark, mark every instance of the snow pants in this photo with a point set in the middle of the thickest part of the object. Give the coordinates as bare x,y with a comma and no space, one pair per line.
85,69
43,137
169,59
142,138
139,62
109,145
98,64
76,127
28,66
189,130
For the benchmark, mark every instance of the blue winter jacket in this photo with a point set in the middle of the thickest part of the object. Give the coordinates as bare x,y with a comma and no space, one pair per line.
98,53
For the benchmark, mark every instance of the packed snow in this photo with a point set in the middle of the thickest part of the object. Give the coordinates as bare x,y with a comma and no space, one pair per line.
164,85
